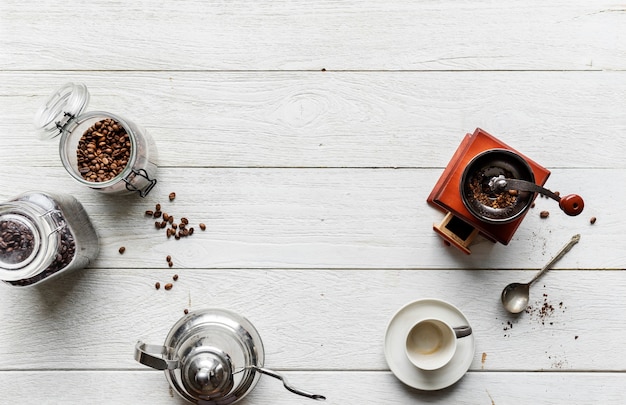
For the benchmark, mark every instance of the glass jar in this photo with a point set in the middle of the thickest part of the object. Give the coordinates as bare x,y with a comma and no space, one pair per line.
43,235
103,151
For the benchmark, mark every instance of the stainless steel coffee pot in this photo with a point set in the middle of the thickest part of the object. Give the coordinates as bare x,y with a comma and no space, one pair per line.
212,357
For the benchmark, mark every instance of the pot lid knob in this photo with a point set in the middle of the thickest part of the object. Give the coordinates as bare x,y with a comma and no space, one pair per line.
208,374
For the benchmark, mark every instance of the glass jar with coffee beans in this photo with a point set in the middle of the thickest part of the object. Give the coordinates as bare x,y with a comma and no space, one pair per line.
101,150
43,235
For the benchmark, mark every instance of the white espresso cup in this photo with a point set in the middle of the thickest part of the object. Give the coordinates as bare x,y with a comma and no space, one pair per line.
431,343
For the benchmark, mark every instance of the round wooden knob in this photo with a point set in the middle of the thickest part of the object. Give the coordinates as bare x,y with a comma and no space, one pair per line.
572,204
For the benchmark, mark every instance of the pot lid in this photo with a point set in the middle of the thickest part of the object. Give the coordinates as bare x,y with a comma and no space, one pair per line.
219,352
66,103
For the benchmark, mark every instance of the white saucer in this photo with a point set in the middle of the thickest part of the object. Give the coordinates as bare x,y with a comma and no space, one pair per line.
395,339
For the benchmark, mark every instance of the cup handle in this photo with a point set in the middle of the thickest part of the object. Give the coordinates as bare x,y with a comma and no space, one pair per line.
462,331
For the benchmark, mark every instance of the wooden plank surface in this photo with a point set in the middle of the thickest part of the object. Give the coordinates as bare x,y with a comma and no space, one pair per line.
330,34
307,136
332,218
337,119
339,387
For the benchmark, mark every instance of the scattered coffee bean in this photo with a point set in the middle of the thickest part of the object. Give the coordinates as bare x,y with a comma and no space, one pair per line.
172,196
186,311
184,220
174,226
592,220
157,214
191,231
157,285
149,212
532,205
170,264
168,258
168,286
169,233
170,219
122,250
203,226
163,224
158,207
166,217
175,277
103,151
544,214
157,225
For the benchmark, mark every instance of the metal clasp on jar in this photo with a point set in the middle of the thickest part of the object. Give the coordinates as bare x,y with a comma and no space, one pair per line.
141,173
57,218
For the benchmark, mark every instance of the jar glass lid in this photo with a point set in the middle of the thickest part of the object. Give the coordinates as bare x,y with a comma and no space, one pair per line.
66,103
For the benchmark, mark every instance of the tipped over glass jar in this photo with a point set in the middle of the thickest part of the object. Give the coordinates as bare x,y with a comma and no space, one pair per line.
43,235
100,150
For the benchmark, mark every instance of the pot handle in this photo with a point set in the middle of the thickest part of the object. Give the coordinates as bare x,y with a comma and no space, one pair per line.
145,354
286,384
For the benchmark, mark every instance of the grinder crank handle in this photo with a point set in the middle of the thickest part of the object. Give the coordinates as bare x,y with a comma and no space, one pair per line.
571,204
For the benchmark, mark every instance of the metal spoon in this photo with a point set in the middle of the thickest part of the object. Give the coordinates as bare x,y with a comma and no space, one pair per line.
515,295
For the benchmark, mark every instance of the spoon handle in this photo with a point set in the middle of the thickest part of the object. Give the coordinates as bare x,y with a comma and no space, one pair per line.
558,256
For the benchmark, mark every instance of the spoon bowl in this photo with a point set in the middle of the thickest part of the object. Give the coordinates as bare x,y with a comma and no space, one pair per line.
515,297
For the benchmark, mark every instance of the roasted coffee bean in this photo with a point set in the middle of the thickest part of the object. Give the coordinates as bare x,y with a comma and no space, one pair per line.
174,226
16,242
175,277
169,233
177,236
170,263
163,224
184,220
191,231
592,220
202,226
156,214
157,285
65,254
170,219
122,250
158,207
157,224
544,214
103,151
168,258
172,196
186,311
166,217
149,212
168,286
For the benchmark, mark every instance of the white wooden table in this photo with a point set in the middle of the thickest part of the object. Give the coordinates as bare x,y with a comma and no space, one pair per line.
307,136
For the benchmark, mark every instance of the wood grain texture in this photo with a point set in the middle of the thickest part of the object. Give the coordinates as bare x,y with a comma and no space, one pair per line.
339,388
336,119
307,136
314,319
332,218
335,35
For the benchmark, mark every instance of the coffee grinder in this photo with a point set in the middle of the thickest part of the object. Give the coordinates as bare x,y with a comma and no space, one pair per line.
487,188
